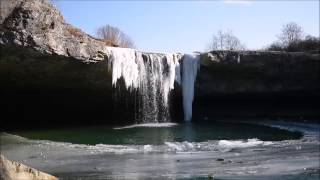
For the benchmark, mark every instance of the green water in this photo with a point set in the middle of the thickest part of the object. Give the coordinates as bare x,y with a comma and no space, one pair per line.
191,132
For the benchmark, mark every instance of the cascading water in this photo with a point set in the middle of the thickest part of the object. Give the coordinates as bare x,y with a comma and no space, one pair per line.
190,66
153,76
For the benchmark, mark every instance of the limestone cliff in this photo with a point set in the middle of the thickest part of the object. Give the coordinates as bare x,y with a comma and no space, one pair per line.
258,71
39,25
52,70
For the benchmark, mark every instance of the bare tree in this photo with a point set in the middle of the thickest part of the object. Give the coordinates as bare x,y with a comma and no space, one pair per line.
291,34
113,36
225,41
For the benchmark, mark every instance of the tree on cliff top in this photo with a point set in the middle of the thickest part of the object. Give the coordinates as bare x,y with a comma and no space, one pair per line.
292,39
225,40
113,36
291,33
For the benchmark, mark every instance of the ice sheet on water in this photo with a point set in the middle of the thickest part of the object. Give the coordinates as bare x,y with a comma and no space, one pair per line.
153,125
185,146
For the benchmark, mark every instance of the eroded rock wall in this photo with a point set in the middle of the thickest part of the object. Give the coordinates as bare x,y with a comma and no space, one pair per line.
258,84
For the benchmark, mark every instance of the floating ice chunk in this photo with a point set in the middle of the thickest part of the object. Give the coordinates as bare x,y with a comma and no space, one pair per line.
226,145
180,146
240,144
147,148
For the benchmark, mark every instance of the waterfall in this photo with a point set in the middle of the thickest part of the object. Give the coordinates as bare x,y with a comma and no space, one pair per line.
124,64
153,76
190,66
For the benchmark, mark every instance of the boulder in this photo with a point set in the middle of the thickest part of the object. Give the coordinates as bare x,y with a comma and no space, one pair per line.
11,170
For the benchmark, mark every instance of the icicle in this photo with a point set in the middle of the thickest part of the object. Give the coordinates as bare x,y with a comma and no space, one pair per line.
124,65
153,76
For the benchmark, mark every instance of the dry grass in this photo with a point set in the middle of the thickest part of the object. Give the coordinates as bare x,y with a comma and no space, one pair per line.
75,32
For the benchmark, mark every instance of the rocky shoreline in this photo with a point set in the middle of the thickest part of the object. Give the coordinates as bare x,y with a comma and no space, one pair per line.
11,170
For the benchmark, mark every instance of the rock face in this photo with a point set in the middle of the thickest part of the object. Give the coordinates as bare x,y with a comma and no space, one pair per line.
38,24
259,71
11,170
258,84
51,70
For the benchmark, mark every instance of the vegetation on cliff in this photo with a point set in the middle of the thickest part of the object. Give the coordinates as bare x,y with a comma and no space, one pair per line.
113,36
292,39
225,40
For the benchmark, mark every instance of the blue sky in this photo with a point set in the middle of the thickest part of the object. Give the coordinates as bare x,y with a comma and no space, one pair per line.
186,26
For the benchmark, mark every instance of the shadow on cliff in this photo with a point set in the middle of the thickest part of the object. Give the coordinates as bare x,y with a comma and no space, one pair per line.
47,91
40,90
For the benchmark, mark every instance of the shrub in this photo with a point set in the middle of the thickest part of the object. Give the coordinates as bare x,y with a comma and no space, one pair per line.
113,36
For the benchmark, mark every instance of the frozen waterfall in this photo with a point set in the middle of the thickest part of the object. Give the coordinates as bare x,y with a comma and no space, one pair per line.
190,66
153,76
